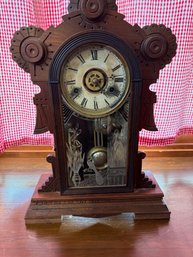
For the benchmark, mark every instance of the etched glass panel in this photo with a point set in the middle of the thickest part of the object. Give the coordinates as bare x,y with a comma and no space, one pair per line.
97,149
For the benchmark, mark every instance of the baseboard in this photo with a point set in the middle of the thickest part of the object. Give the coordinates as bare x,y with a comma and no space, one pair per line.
28,151
41,151
174,150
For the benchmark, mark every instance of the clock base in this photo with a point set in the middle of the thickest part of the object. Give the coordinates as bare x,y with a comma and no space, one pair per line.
144,203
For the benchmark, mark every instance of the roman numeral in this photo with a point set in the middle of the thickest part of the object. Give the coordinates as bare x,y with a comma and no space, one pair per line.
106,58
70,82
119,79
96,105
81,58
116,68
73,69
94,54
107,102
84,102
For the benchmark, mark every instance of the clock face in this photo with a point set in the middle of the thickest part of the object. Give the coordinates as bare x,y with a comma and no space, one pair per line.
95,80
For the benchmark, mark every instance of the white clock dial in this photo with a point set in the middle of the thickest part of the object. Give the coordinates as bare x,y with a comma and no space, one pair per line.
95,80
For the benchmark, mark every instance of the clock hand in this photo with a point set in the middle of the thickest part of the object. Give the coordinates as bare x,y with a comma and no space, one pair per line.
115,76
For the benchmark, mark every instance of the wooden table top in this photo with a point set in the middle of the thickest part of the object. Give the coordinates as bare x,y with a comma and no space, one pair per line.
117,236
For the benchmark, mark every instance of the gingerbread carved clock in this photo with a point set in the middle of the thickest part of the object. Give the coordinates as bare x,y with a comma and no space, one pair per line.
94,71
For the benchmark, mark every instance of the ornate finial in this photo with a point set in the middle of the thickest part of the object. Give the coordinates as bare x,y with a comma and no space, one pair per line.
92,9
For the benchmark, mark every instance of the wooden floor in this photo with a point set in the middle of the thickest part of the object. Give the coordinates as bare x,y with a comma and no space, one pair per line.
87,237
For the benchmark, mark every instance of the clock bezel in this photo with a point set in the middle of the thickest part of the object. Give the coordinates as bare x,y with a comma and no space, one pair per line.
101,37
84,112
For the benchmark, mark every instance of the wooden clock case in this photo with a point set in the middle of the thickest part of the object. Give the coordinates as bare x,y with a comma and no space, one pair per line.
41,53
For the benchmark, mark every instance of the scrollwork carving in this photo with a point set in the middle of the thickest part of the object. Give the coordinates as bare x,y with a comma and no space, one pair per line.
53,183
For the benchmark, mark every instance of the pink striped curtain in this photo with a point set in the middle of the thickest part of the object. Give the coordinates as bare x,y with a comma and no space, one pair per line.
174,110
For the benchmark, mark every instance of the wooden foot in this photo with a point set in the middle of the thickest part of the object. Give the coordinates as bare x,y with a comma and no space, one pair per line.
49,207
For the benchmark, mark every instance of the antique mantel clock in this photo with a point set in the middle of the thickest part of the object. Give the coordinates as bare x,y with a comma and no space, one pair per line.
94,71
